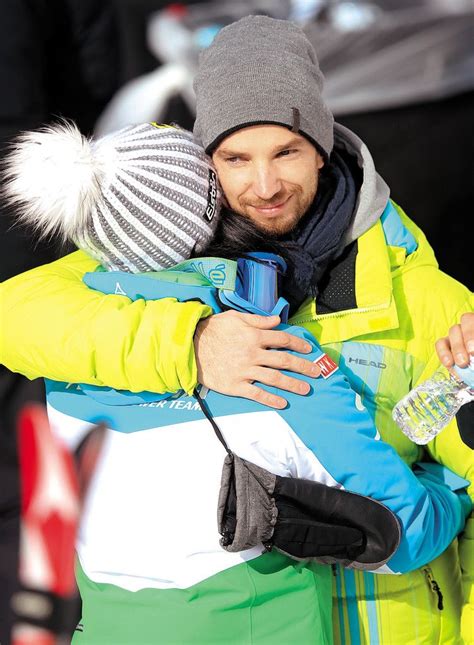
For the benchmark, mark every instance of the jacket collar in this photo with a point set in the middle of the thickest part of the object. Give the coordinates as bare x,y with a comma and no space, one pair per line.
376,309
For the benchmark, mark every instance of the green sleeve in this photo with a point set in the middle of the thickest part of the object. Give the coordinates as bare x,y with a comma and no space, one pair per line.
54,326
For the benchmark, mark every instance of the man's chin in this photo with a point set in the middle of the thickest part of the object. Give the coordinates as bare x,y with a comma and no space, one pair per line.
277,228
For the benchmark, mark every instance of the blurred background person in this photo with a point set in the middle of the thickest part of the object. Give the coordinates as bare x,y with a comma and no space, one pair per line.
57,58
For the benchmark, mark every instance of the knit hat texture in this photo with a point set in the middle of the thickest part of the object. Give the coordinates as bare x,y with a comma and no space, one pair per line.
261,70
140,199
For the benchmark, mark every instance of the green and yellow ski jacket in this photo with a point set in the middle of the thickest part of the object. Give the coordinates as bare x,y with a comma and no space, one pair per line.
54,326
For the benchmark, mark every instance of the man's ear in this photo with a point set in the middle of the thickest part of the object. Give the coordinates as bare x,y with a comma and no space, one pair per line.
319,161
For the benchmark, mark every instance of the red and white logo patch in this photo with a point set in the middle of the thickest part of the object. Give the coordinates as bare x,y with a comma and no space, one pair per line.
327,365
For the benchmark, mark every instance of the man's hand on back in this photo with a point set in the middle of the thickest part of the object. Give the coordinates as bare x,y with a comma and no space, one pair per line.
233,350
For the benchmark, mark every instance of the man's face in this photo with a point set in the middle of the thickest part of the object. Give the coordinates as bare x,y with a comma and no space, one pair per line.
268,174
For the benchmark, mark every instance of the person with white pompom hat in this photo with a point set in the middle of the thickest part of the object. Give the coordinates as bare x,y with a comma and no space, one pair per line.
138,201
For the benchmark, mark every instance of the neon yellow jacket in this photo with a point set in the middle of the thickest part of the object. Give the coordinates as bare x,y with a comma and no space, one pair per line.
54,326
386,347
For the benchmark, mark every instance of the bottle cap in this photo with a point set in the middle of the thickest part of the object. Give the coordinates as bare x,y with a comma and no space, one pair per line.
466,373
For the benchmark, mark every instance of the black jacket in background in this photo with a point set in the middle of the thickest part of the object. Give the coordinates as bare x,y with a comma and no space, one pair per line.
57,58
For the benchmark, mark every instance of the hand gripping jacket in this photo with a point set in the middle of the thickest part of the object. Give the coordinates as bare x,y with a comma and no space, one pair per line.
149,537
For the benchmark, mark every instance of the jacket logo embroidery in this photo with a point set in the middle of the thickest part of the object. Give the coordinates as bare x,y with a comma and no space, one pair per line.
362,361
327,365
119,290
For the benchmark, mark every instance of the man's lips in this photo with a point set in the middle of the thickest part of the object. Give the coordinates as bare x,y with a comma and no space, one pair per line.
271,210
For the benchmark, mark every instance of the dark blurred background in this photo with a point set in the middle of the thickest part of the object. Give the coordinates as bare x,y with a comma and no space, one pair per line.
400,73
57,58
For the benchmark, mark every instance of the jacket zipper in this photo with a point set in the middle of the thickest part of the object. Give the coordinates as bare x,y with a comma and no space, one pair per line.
434,586
338,314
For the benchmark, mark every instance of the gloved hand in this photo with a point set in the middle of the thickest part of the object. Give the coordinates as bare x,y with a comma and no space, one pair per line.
302,518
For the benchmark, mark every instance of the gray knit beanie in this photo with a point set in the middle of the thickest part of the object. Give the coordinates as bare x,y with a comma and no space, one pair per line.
261,70
137,200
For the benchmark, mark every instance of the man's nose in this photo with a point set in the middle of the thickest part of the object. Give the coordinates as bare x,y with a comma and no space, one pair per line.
266,183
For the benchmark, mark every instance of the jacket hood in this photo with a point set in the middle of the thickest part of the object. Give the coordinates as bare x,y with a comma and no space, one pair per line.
374,192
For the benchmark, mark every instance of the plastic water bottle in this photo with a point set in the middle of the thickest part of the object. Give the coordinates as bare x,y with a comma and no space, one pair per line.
430,406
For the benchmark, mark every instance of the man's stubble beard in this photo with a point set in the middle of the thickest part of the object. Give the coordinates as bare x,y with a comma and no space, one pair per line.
277,229
285,224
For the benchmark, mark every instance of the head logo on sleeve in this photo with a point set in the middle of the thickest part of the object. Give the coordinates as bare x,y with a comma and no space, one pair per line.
327,365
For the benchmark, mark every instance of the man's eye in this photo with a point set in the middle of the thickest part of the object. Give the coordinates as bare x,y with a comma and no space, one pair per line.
232,160
287,152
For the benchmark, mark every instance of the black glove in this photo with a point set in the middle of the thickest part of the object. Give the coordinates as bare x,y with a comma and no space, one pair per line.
302,518
465,420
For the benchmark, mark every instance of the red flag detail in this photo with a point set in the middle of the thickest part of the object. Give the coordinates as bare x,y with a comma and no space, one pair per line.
327,365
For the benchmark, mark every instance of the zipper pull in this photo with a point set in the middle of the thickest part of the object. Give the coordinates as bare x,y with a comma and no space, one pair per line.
437,590
435,587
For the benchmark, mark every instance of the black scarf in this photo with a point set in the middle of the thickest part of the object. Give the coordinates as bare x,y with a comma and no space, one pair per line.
312,245
318,237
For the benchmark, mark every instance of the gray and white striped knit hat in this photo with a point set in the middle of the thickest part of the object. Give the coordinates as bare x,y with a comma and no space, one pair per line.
140,199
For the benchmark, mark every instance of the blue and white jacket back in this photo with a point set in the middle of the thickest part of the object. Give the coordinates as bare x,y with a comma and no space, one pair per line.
161,466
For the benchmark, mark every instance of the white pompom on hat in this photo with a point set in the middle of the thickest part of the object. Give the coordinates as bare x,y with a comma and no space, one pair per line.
140,199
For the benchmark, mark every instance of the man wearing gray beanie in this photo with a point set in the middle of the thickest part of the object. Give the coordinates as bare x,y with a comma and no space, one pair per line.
362,278
260,70
261,114
311,186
